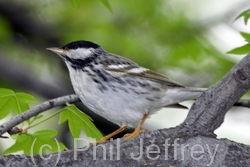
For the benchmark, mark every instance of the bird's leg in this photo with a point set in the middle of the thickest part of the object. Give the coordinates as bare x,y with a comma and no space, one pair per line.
137,129
105,138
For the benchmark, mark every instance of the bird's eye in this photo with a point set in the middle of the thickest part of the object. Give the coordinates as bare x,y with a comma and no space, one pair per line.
75,46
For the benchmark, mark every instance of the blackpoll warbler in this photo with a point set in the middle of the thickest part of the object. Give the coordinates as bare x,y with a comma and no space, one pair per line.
117,88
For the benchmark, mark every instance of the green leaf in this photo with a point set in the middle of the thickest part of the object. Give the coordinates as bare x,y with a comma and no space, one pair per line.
246,36
107,5
9,100
36,143
77,121
241,50
246,15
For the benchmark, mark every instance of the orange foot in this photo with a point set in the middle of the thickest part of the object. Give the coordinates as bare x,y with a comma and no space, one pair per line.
133,134
137,129
105,138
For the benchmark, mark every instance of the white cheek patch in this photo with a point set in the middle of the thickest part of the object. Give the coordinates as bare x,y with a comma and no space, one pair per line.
119,66
137,70
82,53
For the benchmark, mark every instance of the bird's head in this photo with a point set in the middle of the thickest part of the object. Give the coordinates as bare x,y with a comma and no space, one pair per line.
78,53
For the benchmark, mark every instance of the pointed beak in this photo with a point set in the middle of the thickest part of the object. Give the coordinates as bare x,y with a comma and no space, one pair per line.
58,51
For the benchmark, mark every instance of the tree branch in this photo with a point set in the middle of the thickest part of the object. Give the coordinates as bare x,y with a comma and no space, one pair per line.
208,112
36,110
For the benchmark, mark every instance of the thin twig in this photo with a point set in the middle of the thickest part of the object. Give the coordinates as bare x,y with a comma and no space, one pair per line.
36,110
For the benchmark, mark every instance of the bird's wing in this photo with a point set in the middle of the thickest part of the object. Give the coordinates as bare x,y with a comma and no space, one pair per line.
136,70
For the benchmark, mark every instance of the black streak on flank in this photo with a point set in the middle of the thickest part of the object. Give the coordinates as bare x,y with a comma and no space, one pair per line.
149,99
120,81
102,88
100,85
141,84
96,80
101,75
80,63
156,89
131,82
88,73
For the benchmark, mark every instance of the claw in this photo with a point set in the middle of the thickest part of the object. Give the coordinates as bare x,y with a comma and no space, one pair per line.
133,134
137,129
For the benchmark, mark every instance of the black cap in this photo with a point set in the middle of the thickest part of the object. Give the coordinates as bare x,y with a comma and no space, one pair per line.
80,44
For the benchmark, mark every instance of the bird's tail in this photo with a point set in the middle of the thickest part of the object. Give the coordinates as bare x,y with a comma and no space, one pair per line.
195,92
185,93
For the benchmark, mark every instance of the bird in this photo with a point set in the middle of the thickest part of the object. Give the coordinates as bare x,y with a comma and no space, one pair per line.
119,89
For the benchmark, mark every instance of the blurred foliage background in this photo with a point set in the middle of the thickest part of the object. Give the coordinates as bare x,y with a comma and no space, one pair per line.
185,40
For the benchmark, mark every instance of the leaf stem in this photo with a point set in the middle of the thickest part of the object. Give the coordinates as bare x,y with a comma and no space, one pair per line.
49,117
